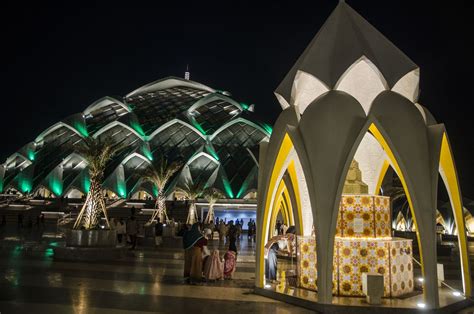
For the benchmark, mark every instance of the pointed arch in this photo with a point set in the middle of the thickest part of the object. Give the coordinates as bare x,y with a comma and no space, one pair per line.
113,124
408,85
53,128
363,81
234,121
447,170
282,204
170,123
306,88
105,101
427,247
276,193
212,97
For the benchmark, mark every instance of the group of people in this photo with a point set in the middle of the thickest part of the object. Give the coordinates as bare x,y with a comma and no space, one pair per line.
223,228
127,232
29,222
200,263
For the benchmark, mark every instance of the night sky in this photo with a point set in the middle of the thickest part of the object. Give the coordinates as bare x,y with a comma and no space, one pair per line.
59,58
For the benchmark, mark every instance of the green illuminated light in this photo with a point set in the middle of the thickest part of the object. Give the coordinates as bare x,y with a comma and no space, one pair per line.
155,190
48,252
244,106
56,186
228,188
17,251
243,188
268,128
137,127
198,126
212,152
31,155
81,128
24,184
122,189
146,151
86,183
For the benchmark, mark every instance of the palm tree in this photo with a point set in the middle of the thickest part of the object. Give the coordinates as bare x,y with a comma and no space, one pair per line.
97,153
159,173
212,195
191,192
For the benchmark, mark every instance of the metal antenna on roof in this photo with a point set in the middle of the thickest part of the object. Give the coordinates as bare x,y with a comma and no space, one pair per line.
187,74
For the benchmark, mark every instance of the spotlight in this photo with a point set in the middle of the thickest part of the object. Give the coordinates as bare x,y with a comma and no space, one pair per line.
421,279
457,293
267,286
421,305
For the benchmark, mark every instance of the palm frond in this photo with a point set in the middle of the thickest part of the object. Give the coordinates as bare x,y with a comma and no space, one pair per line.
160,171
213,194
97,153
191,190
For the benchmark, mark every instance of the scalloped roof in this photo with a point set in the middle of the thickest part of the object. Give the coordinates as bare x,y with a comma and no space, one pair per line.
344,38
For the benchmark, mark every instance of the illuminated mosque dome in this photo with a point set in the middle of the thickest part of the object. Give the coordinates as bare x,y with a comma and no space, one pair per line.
213,136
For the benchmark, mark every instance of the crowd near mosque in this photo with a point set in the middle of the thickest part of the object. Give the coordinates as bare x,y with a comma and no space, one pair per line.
202,264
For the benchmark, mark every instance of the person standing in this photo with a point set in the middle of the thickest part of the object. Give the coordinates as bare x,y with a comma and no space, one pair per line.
158,233
222,230
20,220
233,234
249,229
254,230
132,231
121,229
230,260
193,243
238,228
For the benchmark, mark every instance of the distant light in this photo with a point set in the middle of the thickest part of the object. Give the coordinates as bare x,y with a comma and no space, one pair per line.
267,286
421,279
421,305
164,225
457,293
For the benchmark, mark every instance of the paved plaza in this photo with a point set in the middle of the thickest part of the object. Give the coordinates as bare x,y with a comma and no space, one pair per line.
146,280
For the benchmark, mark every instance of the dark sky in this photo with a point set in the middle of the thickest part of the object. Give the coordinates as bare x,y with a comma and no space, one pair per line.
59,58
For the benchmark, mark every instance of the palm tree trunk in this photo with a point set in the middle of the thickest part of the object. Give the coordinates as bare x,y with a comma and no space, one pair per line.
192,214
160,206
210,214
93,206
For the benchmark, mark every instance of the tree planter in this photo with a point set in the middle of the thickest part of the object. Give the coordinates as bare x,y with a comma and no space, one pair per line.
89,245
91,238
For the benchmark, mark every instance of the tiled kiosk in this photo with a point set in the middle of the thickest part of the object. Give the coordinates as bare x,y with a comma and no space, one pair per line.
363,245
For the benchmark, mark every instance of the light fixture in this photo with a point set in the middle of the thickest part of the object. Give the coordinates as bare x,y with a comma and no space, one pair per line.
421,305
267,286
457,293
421,279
